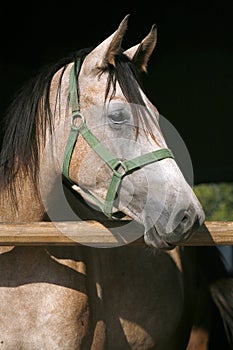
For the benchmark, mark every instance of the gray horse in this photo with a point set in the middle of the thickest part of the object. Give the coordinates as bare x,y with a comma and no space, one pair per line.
97,298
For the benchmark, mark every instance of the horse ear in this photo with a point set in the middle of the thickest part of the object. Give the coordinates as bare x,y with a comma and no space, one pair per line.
115,44
140,54
105,52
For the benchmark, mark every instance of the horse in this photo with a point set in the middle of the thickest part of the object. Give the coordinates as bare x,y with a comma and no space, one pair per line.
109,146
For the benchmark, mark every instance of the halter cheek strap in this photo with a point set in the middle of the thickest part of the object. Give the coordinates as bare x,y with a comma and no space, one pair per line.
119,168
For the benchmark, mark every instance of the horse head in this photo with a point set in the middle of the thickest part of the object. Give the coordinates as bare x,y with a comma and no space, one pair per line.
120,157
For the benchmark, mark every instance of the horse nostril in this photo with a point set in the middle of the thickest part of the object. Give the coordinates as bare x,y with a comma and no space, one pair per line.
183,221
183,226
185,218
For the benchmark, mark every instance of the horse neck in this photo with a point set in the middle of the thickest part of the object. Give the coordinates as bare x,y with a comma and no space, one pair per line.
24,203
21,203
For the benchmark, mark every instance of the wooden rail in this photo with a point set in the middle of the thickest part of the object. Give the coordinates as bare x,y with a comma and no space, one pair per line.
107,234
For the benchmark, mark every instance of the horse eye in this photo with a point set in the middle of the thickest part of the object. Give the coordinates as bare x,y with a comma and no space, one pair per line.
118,117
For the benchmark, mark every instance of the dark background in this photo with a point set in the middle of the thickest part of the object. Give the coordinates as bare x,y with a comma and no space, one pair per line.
190,74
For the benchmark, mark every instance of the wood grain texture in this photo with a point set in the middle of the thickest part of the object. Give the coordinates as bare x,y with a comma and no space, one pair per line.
91,232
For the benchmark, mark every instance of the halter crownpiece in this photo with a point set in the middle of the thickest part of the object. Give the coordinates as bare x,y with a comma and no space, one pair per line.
119,168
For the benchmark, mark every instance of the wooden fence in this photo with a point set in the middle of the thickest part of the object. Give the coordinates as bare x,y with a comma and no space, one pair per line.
95,233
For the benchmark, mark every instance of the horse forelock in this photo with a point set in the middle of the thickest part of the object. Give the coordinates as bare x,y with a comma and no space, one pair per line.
126,74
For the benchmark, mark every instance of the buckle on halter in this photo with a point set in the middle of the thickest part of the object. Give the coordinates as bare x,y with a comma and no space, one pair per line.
123,169
77,125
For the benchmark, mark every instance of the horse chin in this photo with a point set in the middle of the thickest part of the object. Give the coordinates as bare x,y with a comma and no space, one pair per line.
153,239
168,241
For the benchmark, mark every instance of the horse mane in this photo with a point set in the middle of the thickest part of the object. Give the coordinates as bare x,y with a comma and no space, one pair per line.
22,125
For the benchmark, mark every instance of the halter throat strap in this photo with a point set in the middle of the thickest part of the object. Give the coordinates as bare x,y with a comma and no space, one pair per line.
119,168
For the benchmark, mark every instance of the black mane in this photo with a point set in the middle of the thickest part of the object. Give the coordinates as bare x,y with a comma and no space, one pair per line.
21,142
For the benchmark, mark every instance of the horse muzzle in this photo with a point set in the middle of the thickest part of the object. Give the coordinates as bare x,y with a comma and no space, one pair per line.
185,224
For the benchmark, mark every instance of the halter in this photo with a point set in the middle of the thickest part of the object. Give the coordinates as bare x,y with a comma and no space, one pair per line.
119,168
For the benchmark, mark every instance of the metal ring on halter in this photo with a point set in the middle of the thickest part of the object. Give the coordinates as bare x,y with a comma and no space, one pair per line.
120,164
75,116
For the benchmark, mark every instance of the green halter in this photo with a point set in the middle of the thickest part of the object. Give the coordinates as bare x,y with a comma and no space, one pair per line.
119,168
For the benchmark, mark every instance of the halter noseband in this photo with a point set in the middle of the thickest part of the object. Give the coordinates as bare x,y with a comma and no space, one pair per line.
119,168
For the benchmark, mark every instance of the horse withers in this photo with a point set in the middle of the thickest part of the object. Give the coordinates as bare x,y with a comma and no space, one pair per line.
87,121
